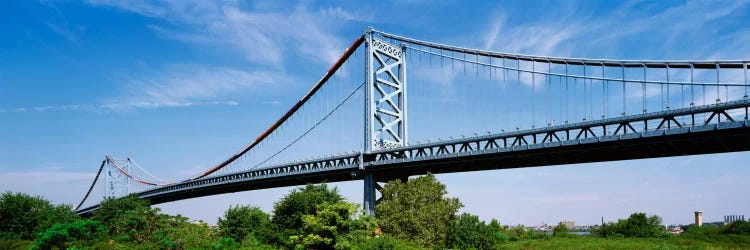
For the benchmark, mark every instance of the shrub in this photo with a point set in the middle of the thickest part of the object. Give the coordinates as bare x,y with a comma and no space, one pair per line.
560,230
225,243
469,232
289,211
385,242
23,216
75,234
637,225
417,211
240,221
737,227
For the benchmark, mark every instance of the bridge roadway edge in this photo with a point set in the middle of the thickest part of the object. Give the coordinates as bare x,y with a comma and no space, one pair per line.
694,143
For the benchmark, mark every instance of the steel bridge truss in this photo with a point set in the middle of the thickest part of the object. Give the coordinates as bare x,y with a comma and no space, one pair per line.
357,166
350,161
386,95
117,183
679,121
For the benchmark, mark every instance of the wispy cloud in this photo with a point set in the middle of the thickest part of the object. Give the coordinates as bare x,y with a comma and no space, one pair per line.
64,31
580,33
269,37
118,106
264,36
177,85
174,86
43,177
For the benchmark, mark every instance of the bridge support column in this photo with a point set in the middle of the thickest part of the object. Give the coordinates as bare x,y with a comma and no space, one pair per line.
370,192
372,188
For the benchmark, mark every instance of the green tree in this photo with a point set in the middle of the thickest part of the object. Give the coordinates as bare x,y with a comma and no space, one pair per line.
517,233
178,233
637,225
289,211
131,219
23,216
385,242
240,221
56,215
560,230
138,225
640,225
467,232
111,209
417,210
737,227
226,243
323,229
499,231
76,234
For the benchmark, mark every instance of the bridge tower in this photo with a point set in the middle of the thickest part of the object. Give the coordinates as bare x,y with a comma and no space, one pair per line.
385,105
117,183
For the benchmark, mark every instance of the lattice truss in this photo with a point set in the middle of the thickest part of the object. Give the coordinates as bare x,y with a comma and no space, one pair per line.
389,95
117,182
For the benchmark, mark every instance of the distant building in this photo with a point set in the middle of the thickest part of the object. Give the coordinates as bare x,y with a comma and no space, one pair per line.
699,218
568,224
733,217
674,230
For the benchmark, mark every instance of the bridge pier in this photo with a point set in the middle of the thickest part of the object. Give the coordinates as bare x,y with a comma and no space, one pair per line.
371,188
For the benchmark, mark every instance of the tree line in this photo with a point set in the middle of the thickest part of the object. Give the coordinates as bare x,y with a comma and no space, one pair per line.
412,215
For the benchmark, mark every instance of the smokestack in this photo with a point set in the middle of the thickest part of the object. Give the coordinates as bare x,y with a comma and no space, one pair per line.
699,218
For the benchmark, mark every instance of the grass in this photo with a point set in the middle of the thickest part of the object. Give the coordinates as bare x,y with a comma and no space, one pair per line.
674,242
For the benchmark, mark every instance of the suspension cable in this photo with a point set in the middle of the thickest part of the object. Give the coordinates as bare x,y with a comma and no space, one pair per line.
91,188
311,128
349,51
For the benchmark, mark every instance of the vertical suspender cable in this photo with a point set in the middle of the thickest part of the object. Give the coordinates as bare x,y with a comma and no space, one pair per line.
533,94
624,103
575,96
718,99
549,92
585,94
682,95
643,94
605,99
520,100
563,96
476,64
667,86
507,88
567,94
744,70
692,87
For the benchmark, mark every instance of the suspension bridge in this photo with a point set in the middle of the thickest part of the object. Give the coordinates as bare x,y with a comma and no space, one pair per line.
468,110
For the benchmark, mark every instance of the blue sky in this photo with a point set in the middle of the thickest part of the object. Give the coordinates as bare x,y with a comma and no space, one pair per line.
181,85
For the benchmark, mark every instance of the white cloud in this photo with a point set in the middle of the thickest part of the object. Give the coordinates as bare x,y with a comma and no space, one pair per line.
577,33
62,30
266,37
121,106
270,39
186,85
